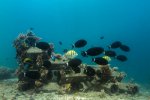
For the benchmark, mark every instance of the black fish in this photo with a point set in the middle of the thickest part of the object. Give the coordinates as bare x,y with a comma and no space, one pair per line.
92,51
115,45
33,74
121,58
65,50
80,43
102,37
76,69
100,61
89,71
43,45
74,63
125,48
110,53
60,43
47,64
31,28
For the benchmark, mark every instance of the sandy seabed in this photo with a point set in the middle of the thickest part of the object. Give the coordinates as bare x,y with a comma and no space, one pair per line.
8,91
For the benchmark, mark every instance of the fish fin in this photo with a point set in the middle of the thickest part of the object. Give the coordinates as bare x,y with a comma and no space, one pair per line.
109,47
84,54
93,59
73,46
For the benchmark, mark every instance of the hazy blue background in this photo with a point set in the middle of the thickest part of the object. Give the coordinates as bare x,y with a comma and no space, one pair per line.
69,20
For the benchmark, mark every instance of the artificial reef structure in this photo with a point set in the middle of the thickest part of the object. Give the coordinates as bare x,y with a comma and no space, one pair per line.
39,65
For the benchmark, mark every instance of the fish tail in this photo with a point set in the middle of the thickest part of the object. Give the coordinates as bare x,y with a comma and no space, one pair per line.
83,53
93,59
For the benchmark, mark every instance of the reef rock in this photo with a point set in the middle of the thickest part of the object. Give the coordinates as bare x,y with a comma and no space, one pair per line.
5,73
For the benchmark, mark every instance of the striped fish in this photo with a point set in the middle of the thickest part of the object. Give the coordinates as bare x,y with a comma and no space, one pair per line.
71,54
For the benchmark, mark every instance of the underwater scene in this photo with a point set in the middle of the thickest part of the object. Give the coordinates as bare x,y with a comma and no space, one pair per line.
74,50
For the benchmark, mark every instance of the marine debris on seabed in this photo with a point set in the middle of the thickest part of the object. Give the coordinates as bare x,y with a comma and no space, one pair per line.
44,74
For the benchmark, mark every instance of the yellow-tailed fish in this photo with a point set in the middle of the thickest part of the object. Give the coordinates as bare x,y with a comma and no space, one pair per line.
27,60
68,87
107,58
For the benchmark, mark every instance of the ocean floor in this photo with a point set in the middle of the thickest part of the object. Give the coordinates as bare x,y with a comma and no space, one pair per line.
8,91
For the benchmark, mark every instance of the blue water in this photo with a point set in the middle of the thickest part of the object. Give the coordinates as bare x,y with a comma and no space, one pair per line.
69,20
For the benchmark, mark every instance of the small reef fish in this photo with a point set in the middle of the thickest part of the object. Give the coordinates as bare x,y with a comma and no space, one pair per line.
65,50
26,60
125,48
107,58
74,64
100,61
121,58
115,45
110,53
67,87
43,45
102,37
80,43
94,51
60,43
71,54
89,71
